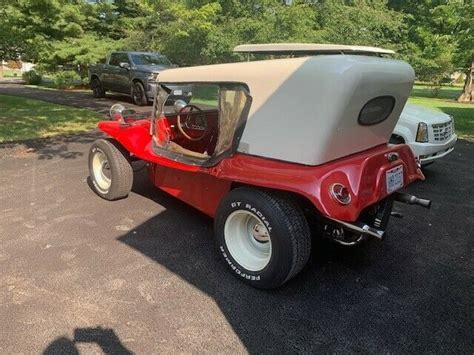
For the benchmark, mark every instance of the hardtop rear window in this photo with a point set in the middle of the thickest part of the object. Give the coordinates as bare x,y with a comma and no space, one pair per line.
376,110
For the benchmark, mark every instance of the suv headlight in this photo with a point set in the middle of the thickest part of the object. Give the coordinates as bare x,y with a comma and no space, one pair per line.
452,124
422,132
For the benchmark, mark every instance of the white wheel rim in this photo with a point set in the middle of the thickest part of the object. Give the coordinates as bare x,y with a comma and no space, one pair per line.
248,240
101,170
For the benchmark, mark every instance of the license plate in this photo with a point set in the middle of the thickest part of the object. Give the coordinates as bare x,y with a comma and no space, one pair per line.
394,178
178,92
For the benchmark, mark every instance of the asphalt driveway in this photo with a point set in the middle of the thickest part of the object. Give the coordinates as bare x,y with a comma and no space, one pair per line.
81,99
140,275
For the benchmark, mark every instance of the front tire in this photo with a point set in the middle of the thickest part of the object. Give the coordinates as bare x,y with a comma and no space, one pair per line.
138,94
110,172
98,90
263,238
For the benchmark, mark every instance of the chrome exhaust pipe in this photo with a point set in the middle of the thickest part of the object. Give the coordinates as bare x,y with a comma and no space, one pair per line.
361,228
411,200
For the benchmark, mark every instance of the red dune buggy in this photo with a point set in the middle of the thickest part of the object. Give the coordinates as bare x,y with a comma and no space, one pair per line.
264,146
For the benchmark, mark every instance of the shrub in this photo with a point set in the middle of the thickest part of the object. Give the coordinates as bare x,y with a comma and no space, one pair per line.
32,77
67,79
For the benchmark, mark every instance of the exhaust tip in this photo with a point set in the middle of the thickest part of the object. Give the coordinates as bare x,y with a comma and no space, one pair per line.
412,200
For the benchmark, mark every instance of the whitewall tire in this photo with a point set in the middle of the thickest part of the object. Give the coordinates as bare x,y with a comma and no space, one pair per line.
110,172
263,238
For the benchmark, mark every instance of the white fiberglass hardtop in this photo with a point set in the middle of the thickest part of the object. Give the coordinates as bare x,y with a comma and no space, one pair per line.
305,110
295,48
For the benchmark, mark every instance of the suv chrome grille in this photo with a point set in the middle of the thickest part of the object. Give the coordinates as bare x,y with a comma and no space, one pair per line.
442,131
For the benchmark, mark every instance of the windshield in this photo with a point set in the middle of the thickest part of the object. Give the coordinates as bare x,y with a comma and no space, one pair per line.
150,59
201,127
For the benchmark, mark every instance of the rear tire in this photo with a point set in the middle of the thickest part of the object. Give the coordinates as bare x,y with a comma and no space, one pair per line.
262,238
97,88
110,172
138,94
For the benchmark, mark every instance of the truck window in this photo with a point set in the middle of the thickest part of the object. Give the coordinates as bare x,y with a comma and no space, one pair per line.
114,59
117,58
149,59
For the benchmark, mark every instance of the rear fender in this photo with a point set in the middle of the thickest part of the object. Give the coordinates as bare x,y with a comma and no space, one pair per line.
362,173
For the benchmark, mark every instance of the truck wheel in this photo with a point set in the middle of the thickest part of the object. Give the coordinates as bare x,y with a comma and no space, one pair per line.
110,172
263,239
138,94
98,90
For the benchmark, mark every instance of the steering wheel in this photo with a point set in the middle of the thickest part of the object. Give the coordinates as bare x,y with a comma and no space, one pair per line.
192,123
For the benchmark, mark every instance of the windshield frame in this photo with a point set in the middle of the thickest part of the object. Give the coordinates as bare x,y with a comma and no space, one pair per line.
161,97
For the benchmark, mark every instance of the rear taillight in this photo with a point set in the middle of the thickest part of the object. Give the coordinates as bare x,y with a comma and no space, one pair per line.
340,193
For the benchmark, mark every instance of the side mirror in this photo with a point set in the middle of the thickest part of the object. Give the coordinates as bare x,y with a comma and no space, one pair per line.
124,65
179,105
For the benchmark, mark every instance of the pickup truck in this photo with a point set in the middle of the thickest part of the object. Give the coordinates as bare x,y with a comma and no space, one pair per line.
134,73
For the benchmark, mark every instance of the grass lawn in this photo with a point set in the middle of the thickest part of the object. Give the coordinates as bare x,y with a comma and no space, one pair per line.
446,101
205,95
22,118
10,73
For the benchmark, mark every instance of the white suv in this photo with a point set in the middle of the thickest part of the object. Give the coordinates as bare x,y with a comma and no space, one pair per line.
429,133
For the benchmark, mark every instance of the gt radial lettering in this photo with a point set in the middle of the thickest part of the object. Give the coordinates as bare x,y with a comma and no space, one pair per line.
260,215
236,269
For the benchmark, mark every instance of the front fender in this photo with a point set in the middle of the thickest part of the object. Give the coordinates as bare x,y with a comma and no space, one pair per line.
136,138
407,132
139,76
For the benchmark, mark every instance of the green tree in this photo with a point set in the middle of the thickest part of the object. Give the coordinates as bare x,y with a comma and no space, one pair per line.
77,53
13,39
66,32
439,36
179,31
198,31
435,36
361,23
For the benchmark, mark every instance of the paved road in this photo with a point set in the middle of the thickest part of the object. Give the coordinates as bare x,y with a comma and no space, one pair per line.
79,273
82,99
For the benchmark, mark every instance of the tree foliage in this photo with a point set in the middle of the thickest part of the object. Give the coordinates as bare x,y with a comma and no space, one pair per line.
435,36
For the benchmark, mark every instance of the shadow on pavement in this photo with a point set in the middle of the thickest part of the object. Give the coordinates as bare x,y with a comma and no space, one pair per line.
410,294
105,338
49,148
380,297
